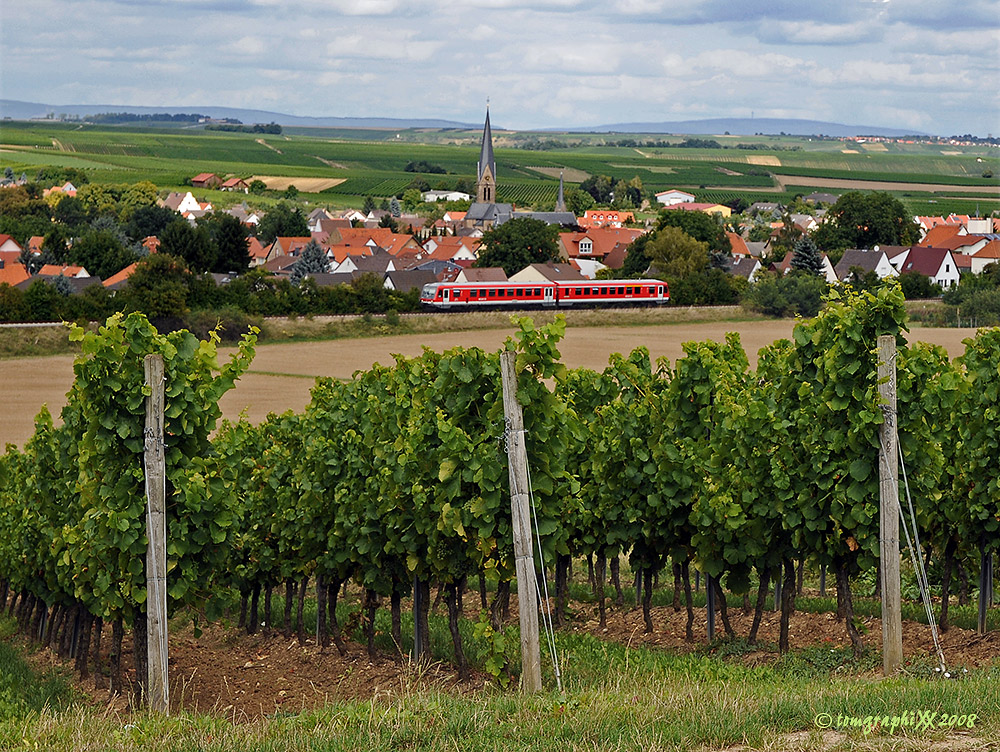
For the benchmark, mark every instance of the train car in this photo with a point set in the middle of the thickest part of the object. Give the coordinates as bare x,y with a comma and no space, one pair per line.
469,296
603,292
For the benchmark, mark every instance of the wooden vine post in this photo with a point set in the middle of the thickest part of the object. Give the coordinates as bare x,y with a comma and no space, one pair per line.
527,602
892,619
158,695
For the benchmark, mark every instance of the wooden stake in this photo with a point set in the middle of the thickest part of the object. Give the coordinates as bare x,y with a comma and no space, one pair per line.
892,619
985,586
531,667
156,534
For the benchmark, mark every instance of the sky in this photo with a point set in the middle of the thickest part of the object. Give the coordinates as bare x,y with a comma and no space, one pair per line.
926,65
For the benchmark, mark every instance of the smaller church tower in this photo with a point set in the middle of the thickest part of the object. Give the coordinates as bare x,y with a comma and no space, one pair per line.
486,181
561,198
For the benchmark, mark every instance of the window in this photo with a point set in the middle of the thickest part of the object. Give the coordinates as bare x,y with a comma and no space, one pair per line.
458,294
520,292
628,290
538,291
493,293
604,290
578,291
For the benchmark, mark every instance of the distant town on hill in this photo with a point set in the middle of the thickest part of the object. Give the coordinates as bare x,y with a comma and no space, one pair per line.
17,110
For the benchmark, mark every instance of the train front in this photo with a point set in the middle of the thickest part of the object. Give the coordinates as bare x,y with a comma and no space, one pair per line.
429,296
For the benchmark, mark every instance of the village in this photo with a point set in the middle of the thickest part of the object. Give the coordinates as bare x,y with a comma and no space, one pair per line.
404,250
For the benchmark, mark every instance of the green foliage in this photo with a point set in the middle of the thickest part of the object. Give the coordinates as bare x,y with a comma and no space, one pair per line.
193,245
793,294
705,228
864,220
676,254
806,257
80,488
917,286
518,243
101,253
284,221
158,287
312,260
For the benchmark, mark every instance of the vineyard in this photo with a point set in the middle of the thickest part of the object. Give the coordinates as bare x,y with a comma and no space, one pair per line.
395,480
373,163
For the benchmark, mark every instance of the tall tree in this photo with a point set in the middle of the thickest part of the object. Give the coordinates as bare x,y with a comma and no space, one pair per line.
282,220
674,253
706,228
193,245
312,260
101,253
865,220
806,257
517,244
232,253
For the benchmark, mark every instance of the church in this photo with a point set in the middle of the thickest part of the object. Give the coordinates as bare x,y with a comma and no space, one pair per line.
486,212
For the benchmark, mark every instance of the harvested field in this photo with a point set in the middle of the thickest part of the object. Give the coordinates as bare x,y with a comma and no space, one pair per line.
571,174
766,161
283,373
885,185
306,185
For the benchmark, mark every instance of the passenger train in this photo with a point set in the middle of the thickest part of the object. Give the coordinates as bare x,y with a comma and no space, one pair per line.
466,296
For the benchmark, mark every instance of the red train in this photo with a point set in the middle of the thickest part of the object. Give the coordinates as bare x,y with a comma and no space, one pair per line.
454,296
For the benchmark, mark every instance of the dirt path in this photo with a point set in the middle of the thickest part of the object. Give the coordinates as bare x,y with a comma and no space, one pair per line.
282,374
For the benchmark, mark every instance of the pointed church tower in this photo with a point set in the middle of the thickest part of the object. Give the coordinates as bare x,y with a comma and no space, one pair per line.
561,198
486,181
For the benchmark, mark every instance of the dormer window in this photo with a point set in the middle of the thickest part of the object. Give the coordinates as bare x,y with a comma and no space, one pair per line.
586,246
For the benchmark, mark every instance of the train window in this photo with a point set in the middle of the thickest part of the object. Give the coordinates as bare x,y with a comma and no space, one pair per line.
520,292
621,290
457,294
577,291
593,291
538,291
628,290
604,291
493,293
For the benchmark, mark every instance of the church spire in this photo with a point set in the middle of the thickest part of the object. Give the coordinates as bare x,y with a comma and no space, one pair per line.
561,198
487,169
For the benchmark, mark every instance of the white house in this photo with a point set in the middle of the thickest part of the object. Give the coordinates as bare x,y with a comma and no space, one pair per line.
674,197
868,261
185,204
936,263
430,196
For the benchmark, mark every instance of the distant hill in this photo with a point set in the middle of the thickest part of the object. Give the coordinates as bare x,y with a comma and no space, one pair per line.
736,126
31,110
751,126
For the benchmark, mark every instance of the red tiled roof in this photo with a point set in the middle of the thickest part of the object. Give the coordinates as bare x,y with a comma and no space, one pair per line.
927,261
738,243
55,270
121,276
939,234
990,250
12,273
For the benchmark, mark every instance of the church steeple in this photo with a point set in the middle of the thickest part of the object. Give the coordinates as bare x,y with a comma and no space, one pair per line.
561,198
486,170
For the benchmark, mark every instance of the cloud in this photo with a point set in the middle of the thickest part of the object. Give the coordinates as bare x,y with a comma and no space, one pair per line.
810,32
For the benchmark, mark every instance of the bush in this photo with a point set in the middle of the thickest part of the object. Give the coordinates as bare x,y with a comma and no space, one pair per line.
918,286
794,294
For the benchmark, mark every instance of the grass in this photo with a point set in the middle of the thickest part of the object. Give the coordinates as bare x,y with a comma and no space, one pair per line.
615,698
24,694
19,342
